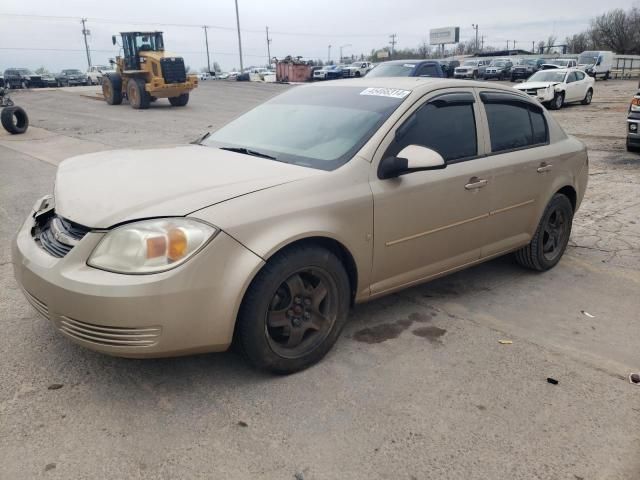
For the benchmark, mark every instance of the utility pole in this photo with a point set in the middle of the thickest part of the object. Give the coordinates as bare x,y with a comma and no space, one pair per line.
393,42
329,55
533,46
475,27
86,32
507,44
482,43
514,44
268,49
206,42
239,37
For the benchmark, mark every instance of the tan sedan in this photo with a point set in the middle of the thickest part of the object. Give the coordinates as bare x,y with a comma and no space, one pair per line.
268,231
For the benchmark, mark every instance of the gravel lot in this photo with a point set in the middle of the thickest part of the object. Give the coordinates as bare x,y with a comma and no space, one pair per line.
418,387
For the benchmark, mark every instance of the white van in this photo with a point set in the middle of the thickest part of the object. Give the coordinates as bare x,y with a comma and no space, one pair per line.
596,63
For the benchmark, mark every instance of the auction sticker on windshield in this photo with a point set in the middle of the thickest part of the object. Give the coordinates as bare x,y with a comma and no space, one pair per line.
386,92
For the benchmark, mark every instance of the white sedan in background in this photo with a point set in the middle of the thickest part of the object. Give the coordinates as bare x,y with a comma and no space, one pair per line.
556,87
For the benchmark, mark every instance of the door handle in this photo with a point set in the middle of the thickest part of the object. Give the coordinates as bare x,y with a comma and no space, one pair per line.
474,183
544,167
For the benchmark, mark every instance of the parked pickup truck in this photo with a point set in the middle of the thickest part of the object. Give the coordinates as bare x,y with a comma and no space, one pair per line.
471,69
498,68
96,72
357,69
525,68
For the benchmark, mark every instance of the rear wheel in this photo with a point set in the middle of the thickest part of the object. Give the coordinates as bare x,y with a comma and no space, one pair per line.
112,89
14,120
294,310
551,238
180,100
138,97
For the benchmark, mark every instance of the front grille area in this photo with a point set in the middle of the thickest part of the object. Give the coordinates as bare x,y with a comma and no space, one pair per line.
173,70
39,305
110,336
57,235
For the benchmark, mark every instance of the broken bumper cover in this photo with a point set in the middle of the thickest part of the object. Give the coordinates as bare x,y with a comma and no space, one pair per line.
189,309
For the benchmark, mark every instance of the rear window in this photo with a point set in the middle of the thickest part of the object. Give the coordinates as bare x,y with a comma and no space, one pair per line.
395,70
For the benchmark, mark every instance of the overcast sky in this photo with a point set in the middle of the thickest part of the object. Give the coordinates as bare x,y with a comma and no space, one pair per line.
298,27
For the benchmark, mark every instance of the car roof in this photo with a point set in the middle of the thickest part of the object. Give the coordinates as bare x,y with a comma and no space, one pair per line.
418,84
413,61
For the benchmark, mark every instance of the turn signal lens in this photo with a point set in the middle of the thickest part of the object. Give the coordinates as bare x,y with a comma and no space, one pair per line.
150,246
635,104
178,244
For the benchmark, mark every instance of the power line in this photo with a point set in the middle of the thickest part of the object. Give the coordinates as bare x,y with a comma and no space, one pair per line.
193,25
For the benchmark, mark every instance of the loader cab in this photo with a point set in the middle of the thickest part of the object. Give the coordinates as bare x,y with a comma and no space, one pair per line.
135,42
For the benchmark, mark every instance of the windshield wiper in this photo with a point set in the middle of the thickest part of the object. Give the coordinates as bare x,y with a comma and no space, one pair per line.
199,140
247,151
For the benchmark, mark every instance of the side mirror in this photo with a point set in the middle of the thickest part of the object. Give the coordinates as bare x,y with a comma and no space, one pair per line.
113,39
412,158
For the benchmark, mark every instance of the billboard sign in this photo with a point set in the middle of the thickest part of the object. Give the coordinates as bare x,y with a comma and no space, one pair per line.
441,36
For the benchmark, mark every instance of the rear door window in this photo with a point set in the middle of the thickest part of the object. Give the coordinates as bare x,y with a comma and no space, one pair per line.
513,123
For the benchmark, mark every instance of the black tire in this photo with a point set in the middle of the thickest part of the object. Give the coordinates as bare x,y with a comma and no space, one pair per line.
112,88
180,100
633,148
607,76
559,211
557,102
357,75
152,98
138,97
273,295
587,97
14,120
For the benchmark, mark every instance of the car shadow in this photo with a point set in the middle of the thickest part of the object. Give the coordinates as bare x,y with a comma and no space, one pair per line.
229,370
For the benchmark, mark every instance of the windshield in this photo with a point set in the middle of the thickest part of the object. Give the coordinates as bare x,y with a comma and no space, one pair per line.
588,58
547,76
149,42
562,63
498,63
24,71
394,70
71,72
470,63
317,127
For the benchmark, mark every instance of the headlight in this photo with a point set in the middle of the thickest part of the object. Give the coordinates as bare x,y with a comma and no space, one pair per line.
150,246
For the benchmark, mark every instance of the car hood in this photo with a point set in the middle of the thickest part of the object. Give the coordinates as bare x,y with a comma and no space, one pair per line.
534,85
103,189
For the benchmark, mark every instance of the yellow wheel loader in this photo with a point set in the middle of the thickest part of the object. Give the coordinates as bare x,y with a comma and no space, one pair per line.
145,72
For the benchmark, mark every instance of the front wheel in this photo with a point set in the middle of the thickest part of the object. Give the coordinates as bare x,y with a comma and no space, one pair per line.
294,310
557,102
137,95
112,89
551,238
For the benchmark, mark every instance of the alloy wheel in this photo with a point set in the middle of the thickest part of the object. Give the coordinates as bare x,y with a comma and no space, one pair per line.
554,233
302,312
